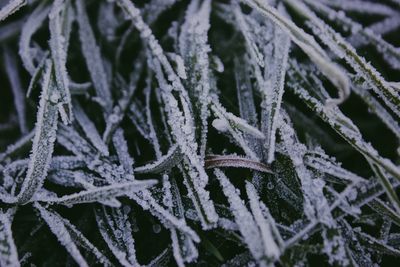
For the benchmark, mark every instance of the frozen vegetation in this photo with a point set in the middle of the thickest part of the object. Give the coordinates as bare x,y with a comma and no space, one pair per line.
199,133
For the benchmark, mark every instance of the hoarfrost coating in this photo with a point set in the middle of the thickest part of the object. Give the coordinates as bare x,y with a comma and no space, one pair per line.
199,132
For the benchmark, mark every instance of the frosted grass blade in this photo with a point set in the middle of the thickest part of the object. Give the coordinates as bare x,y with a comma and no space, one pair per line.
45,136
100,193
308,44
32,25
219,161
164,163
91,53
344,50
58,228
58,51
8,251
90,129
11,7
16,86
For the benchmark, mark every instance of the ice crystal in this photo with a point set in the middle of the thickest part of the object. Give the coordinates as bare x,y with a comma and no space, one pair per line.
199,133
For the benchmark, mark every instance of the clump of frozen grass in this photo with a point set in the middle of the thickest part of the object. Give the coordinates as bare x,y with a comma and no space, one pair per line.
174,133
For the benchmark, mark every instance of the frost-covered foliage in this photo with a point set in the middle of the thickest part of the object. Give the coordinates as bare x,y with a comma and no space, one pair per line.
199,133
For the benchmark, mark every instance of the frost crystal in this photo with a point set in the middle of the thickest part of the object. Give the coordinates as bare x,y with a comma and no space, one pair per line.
219,133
